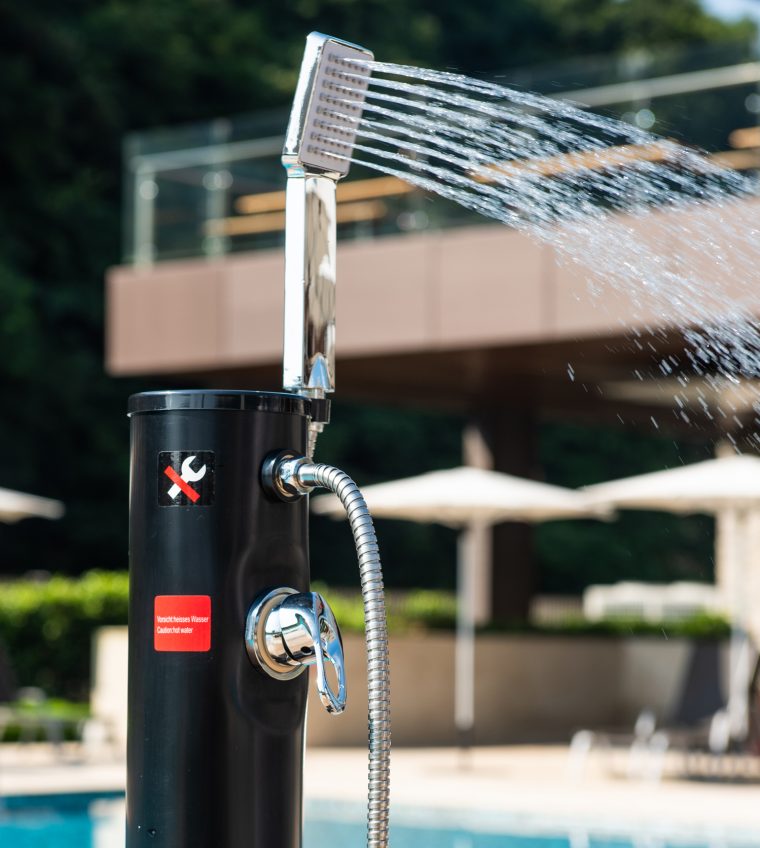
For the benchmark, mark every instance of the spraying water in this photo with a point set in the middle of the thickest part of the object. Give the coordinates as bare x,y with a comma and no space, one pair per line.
682,226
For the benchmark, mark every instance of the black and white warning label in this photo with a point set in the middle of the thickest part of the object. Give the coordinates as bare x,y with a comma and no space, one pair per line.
186,478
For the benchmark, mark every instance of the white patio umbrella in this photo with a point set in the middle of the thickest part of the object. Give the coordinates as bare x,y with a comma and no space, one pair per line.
16,505
727,485
457,496
730,482
467,499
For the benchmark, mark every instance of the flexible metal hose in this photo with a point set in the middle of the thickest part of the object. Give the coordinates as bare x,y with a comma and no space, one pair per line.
370,569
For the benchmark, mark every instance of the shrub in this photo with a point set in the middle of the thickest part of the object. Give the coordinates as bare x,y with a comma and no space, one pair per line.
698,626
46,627
31,721
418,609
431,609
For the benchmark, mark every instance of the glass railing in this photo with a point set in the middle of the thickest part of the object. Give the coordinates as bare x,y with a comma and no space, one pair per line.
210,189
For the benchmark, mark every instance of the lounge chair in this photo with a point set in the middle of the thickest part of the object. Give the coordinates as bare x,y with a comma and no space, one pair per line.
728,746
696,720
32,723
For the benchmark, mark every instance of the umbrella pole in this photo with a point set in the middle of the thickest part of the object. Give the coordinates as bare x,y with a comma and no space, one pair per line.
739,652
464,660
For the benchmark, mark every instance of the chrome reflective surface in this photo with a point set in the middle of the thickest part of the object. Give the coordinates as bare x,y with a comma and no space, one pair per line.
296,474
314,164
310,240
279,475
378,670
288,631
256,638
324,58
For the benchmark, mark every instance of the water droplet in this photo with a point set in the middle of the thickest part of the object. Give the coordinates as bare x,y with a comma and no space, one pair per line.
752,103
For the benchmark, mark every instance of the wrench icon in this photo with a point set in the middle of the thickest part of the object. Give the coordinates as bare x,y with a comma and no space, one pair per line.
188,475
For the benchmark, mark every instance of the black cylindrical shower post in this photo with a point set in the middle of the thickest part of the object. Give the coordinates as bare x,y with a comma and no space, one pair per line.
215,745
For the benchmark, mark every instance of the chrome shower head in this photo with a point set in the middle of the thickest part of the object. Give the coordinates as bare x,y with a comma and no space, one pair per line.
324,120
327,106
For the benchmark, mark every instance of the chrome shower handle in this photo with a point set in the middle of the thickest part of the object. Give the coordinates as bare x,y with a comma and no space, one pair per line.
329,649
286,631
311,636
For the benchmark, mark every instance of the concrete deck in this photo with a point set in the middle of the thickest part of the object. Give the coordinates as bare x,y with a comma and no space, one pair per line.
43,770
519,788
529,788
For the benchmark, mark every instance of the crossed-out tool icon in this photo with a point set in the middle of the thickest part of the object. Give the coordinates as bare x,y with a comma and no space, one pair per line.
181,482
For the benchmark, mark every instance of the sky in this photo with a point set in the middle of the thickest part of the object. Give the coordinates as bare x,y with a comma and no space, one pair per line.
733,9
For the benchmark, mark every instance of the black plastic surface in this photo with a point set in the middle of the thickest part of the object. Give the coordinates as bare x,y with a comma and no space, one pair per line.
214,744
218,399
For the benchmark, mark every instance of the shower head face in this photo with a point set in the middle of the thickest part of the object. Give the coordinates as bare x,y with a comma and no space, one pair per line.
327,106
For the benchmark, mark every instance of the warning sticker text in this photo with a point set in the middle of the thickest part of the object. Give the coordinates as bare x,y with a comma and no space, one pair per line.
182,623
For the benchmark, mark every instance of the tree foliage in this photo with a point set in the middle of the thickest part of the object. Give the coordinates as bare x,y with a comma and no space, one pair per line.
637,545
76,77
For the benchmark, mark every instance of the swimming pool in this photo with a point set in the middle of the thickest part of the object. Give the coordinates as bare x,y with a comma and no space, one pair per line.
89,821
62,821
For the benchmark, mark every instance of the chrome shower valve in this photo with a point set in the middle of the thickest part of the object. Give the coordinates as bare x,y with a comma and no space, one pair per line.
287,631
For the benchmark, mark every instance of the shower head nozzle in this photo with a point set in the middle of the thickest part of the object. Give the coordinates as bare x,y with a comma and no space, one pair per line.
327,106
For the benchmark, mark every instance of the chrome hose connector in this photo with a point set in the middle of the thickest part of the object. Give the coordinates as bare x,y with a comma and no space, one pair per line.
280,475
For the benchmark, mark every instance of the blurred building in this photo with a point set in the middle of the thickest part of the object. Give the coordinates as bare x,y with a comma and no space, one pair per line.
436,306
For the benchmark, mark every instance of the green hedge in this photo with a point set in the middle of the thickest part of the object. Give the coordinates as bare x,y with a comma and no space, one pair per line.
436,610
419,609
699,626
46,627
30,720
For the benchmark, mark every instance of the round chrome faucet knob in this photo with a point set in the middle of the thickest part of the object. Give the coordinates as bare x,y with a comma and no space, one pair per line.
287,631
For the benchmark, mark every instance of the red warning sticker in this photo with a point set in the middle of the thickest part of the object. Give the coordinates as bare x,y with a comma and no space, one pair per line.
182,623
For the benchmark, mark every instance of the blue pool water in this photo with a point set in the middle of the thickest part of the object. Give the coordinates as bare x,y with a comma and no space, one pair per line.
79,821
62,821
